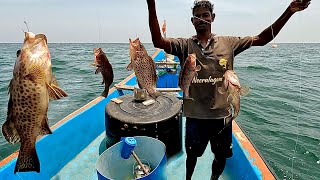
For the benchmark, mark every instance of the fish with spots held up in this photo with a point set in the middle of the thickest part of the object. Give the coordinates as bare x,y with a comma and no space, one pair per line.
231,85
30,90
144,68
103,65
187,73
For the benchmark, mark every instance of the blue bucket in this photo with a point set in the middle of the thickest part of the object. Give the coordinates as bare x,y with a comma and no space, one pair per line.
150,151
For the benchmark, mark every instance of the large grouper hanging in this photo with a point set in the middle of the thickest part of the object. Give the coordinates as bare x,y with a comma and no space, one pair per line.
30,90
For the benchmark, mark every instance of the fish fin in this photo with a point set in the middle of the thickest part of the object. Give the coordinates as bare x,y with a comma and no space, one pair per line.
221,90
10,132
45,129
54,80
59,90
10,87
55,92
55,86
198,68
129,67
230,98
98,70
158,93
244,90
27,161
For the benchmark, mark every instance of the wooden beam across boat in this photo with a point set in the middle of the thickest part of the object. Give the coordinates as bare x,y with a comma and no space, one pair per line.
167,63
130,88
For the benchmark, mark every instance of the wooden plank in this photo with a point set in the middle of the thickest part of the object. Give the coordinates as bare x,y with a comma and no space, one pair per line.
167,63
131,88
169,89
123,87
116,100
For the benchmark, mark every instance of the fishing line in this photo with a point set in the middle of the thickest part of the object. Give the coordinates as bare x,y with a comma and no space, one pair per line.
201,19
297,122
26,25
99,27
299,107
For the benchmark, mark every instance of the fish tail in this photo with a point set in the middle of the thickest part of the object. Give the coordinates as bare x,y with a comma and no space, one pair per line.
157,94
27,160
106,91
10,132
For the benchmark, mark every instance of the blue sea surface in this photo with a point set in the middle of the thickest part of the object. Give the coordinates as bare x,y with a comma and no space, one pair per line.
280,114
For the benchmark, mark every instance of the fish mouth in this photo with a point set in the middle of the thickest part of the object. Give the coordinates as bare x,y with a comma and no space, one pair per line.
34,42
134,43
97,51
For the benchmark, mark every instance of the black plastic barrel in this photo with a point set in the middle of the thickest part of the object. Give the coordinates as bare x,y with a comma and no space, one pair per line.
161,120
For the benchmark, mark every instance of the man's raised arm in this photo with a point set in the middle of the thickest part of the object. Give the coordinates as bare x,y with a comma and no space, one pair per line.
157,39
269,33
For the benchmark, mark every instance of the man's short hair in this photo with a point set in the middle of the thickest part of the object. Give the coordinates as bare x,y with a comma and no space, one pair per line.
203,3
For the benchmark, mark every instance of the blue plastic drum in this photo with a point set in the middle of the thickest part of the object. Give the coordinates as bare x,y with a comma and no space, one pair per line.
150,151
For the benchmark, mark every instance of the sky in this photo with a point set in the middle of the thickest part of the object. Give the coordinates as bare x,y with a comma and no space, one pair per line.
108,21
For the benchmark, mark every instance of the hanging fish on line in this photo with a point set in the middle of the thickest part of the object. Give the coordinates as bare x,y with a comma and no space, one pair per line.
231,85
103,65
144,68
187,73
30,90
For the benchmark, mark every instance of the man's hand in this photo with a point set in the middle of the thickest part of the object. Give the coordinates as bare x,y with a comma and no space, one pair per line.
299,5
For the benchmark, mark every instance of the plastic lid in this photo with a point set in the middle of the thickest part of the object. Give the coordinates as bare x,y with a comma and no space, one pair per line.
131,141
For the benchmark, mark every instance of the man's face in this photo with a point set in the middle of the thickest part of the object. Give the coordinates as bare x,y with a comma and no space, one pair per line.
205,14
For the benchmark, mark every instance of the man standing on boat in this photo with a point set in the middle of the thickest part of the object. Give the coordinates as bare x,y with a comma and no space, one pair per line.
204,124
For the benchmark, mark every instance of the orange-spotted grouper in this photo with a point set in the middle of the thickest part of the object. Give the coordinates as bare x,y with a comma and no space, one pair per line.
30,90
187,73
144,68
231,85
103,65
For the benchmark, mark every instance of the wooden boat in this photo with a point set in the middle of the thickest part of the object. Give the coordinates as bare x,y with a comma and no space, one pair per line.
73,149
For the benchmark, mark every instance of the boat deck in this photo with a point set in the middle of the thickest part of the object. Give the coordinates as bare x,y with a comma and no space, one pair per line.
82,166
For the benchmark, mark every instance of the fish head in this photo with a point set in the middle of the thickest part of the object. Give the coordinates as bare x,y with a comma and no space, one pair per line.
99,57
34,51
231,79
35,45
137,49
191,61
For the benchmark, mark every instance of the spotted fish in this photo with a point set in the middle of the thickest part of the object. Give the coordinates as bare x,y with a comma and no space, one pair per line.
231,85
103,65
144,68
30,90
187,73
